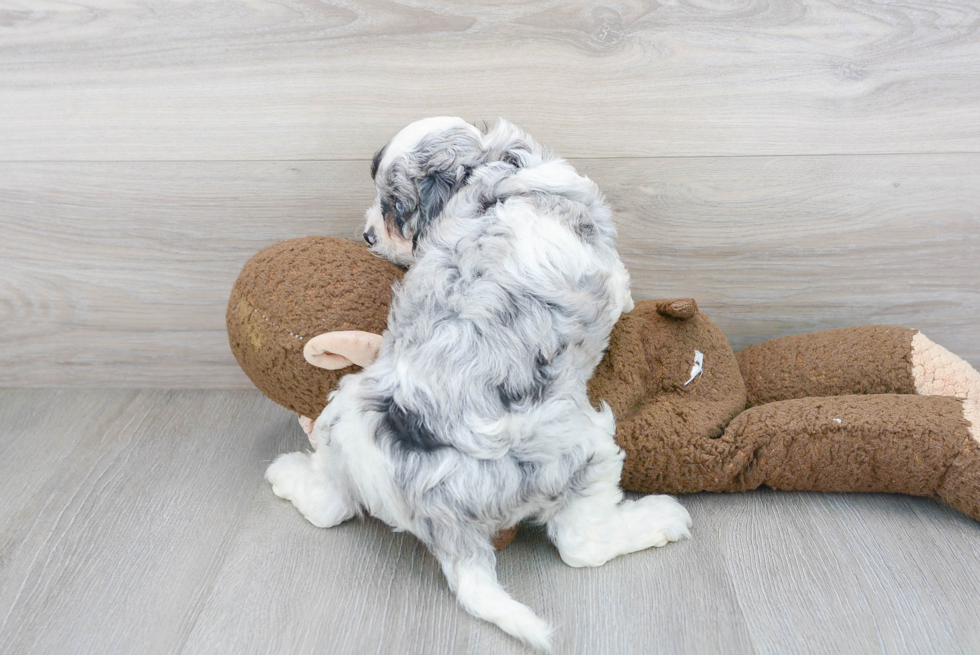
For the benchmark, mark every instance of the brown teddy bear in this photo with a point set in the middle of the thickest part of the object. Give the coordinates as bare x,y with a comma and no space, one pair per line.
872,409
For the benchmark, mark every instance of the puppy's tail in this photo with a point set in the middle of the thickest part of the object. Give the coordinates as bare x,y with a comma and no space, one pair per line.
476,587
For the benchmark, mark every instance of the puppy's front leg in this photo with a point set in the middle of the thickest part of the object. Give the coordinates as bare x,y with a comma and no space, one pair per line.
599,525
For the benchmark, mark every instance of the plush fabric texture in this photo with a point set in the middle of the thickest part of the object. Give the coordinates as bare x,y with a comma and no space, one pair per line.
295,290
938,372
960,487
667,428
888,442
859,360
504,538
831,411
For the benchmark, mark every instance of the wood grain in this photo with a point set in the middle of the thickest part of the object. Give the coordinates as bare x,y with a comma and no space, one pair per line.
117,274
113,545
827,573
256,79
39,432
139,522
776,246
360,588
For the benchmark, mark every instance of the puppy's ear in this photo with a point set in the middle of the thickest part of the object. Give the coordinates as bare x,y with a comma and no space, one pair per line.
435,190
378,156
445,162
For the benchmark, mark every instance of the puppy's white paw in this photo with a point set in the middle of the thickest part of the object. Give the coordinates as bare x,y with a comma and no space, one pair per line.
293,478
652,521
288,473
660,520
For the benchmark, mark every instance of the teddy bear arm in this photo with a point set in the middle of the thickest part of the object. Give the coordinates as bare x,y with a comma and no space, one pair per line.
871,359
911,444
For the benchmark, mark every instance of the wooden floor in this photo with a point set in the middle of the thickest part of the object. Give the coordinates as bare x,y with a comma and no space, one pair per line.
139,522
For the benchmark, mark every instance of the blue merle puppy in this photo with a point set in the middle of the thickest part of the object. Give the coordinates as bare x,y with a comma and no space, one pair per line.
475,416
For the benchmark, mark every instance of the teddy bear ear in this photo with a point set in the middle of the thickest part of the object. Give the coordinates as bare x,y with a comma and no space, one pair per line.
336,350
682,308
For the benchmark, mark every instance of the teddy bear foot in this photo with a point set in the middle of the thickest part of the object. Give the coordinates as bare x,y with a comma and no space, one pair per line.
938,372
960,485
294,478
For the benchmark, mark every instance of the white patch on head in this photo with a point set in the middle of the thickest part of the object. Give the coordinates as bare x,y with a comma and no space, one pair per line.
397,249
409,137
373,217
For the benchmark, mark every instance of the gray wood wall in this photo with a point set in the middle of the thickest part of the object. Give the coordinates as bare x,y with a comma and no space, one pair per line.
794,165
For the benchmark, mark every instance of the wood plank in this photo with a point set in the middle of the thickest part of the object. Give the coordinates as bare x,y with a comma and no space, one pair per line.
861,573
117,274
114,549
258,79
151,530
38,434
776,246
361,588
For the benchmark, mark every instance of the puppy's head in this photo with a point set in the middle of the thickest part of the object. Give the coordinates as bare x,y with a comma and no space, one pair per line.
416,174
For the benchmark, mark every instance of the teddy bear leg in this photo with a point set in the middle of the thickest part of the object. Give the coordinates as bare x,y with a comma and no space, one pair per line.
938,372
870,359
598,525
960,486
309,481
893,443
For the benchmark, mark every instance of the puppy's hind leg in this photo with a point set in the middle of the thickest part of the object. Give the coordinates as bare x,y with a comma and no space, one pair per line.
314,483
597,524
473,577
